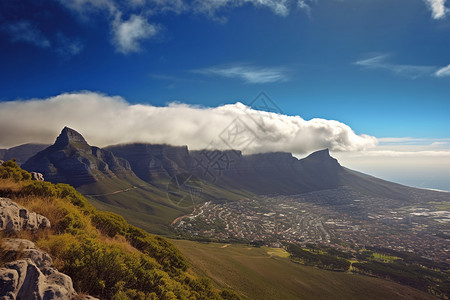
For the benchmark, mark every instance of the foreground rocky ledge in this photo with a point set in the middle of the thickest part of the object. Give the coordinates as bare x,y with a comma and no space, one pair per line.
30,276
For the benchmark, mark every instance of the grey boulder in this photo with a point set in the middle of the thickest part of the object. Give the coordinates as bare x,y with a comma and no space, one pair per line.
14,218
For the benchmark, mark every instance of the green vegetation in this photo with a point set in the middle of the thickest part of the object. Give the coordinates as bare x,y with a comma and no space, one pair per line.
413,275
402,267
317,258
104,255
256,273
9,170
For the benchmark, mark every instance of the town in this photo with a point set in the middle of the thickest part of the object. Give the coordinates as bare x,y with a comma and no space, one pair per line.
338,218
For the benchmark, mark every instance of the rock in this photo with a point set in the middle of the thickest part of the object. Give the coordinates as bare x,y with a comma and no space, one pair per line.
37,176
22,279
9,279
14,217
32,276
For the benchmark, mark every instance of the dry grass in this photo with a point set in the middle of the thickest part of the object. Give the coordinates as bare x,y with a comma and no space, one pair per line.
120,241
9,188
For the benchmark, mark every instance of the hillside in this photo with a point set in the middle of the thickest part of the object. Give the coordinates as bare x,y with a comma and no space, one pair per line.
104,255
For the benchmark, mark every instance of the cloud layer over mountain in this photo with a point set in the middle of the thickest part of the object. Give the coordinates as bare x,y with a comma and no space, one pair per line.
105,120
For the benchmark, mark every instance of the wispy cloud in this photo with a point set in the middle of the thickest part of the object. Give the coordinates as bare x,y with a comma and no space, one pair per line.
445,71
247,73
211,7
27,32
437,8
305,5
85,7
410,71
67,47
414,141
128,34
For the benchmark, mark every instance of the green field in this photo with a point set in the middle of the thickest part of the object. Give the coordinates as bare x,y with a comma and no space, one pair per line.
267,273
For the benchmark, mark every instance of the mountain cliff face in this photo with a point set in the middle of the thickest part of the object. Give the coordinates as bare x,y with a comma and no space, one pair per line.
21,153
153,162
72,160
266,173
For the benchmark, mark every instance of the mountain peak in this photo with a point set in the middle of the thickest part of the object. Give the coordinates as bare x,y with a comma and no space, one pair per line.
321,155
67,136
324,153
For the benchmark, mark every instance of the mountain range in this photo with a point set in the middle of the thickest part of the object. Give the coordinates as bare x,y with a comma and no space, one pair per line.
135,179
21,153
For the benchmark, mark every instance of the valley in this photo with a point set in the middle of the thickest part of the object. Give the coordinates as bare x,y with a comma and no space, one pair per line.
339,218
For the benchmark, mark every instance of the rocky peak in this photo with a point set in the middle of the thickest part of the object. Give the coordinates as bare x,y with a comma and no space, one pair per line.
68,136
320,156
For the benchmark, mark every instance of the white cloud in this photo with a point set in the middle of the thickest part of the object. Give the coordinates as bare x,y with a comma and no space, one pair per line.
305,5
411,71
86,7
210,7
26,31
249,74
403,154
445,71
437,8
412,141
105,120
67,47
128,34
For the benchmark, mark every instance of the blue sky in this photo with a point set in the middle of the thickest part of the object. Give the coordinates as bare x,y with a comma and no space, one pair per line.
381,67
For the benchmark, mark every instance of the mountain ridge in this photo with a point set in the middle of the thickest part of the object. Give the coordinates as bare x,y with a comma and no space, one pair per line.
72,160
142,181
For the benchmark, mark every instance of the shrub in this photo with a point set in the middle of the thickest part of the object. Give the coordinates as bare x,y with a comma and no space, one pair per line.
10,170
164,252
109,223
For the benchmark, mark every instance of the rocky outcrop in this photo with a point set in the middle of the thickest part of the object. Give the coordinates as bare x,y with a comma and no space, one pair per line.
37,176
14,217
72,160
31,276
